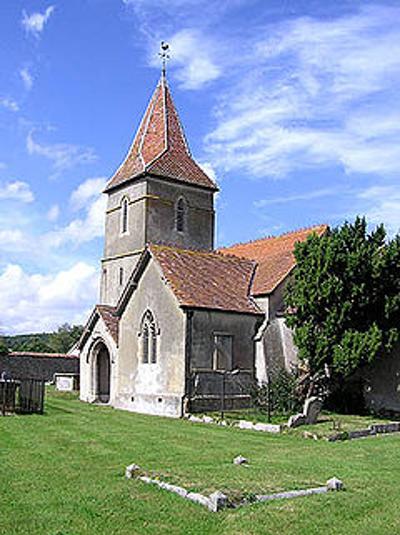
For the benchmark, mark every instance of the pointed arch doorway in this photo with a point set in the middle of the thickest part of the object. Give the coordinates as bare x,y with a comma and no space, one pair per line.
102,373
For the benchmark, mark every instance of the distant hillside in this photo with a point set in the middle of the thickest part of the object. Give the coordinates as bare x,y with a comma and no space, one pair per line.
59,341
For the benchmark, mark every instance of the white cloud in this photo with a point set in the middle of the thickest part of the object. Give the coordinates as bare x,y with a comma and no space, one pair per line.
12,240
192,58
16,191
89,199
209,170
62,155
36,302
27,78
9,103
308,196
85,192
382,205
35,22
53,213
314,93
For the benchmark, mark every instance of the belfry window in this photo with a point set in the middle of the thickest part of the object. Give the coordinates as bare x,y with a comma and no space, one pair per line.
180,215
148,333
124,216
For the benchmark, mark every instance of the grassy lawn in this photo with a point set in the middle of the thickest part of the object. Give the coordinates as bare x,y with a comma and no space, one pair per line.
63,474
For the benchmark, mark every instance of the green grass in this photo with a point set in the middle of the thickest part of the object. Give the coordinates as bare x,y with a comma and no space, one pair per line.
63,474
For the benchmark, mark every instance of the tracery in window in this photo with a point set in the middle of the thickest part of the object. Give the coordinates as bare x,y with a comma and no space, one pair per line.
149,333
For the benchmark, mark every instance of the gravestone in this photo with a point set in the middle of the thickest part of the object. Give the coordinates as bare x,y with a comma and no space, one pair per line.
312,408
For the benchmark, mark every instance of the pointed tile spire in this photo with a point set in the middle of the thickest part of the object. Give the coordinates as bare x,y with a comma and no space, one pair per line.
160,147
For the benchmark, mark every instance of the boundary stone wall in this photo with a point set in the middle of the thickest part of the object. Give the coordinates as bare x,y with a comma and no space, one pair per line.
37,367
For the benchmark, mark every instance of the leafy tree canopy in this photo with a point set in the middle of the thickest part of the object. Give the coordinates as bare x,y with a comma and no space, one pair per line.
59,341
344,299
3,347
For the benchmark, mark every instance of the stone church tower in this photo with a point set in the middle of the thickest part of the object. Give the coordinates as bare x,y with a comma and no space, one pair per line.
158,195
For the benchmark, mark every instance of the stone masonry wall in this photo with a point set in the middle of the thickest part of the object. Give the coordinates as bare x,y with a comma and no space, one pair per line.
44,368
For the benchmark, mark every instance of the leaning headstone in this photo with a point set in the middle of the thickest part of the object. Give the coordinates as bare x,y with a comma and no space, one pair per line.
296,420
240,460
312,408
218,500
334,484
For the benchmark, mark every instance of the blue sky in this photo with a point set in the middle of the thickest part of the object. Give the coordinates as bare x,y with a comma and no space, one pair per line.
293,105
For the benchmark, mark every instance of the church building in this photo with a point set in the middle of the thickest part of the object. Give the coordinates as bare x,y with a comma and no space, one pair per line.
178,320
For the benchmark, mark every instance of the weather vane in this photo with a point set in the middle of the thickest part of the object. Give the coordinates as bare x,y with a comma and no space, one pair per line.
164,55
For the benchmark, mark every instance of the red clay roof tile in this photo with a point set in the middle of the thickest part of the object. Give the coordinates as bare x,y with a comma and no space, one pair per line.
160,146
107,313
202,279
274,257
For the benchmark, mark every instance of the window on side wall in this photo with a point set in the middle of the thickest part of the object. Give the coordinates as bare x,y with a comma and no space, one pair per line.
124,216
148,334
180,215
223,351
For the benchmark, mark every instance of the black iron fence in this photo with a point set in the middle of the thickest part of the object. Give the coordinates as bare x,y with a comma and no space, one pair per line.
24,397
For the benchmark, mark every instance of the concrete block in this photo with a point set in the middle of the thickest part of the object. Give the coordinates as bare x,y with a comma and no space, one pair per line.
219,500
132,471
267,428
200,499
244,424
240,460
334,484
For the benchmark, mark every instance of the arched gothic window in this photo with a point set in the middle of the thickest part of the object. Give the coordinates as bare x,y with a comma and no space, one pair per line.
124,216
180,215
148,332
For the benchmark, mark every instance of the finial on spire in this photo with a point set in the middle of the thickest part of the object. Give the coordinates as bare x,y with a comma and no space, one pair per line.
164,55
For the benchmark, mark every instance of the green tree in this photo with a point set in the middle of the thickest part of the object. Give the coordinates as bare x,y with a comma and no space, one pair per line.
344,298
65,337
3,347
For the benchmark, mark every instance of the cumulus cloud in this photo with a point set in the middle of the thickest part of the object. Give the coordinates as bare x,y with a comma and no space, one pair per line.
27,78
36,302
9,104
16,191
89,200
315,93
53,213
35,22
86,192
192,59
13,240
62,155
